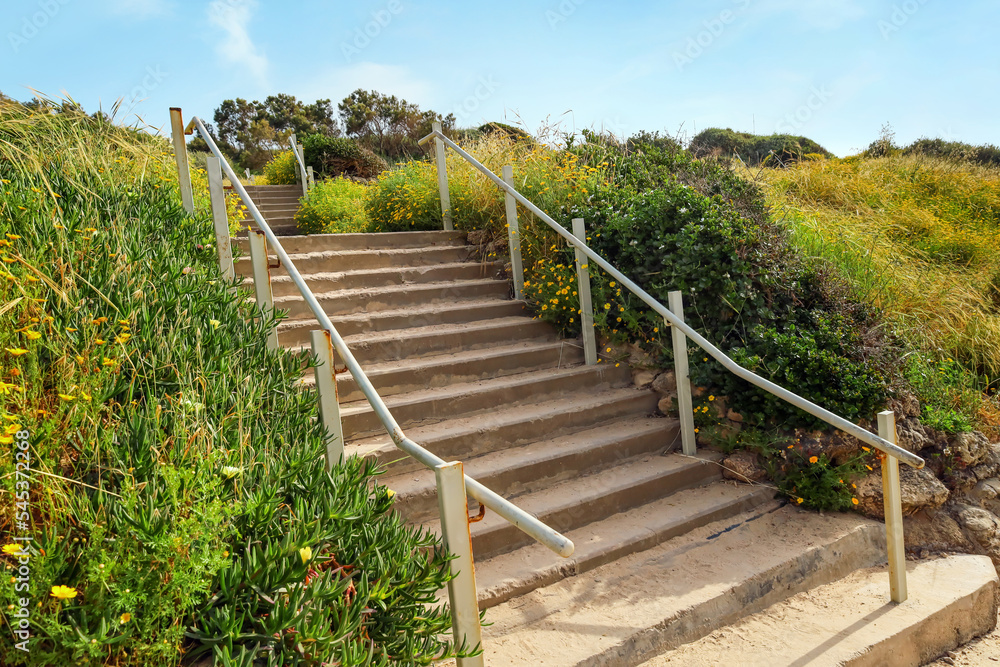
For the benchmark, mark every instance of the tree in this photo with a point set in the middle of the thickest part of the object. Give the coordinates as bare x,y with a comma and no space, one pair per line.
389,125
252,131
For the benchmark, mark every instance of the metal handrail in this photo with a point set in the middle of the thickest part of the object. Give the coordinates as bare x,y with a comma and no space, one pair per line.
837,421
552,539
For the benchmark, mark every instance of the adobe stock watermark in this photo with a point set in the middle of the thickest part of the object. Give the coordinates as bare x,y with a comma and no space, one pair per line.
20,548
154,77
713,29
899,17
32,24
562,12
794,120
469,105
364,35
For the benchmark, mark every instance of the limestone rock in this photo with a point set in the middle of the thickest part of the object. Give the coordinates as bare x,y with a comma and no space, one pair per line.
982,526
665,383
666,406
743,466
934,530
911,435
734,416
906,405
972,447
643,378
920,490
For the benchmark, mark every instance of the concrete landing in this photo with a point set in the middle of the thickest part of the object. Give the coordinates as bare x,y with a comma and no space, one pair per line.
851,621
634,608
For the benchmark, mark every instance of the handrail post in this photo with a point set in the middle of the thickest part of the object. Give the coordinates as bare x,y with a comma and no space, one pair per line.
312,176
220,217
442,174
302,169
513,235
329,399
181,158
685,406
583,287
892,500
453,505
262,281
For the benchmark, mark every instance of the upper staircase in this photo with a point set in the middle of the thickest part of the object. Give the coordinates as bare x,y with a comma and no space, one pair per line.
278,204
666,551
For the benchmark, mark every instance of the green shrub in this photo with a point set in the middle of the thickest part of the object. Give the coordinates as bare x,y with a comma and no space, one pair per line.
746,292
986,154
340,156
334,206
405,199
511,132
283,169
773,150
189,509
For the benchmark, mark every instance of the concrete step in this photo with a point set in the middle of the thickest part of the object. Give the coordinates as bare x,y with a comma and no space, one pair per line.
364,259
507,427
440,370
577,502
346,302
430,340
514,472
282,285
620,610
340,242
465,399
851,622
273,219
296,332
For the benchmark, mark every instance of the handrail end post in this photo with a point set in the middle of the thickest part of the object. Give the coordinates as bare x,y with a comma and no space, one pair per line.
262,281
583,287
442,175
513,235
685,405
892,500
220,217
453,506
181,158
329,399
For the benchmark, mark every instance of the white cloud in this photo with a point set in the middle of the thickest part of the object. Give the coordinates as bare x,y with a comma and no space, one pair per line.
233,17
142,9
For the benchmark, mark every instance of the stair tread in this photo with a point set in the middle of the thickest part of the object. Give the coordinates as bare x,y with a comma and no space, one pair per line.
388,270
502,415
437,329
333,254
459,389
533,454
587,488
390,289
395,313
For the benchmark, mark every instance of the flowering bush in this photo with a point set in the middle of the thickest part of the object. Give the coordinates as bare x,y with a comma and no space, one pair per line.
335,206
283,169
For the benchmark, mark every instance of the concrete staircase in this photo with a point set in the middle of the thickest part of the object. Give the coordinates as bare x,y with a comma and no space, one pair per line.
666,552
278,204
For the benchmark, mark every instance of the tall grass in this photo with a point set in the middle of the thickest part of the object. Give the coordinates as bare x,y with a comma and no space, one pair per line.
918,237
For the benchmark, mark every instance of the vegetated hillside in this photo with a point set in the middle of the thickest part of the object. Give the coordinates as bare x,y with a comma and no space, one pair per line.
754,149
917,236
177,501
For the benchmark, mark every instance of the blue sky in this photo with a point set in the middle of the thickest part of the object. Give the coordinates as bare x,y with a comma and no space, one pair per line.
833,70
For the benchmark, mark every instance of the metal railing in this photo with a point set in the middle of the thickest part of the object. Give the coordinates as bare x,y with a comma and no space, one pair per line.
673,315
452,483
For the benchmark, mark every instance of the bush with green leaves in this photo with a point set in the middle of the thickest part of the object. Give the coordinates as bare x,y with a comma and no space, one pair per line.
283,169
340,156
334,206
180,504
753,149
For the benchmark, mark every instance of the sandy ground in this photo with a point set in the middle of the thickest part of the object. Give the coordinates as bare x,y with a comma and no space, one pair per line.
982,651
